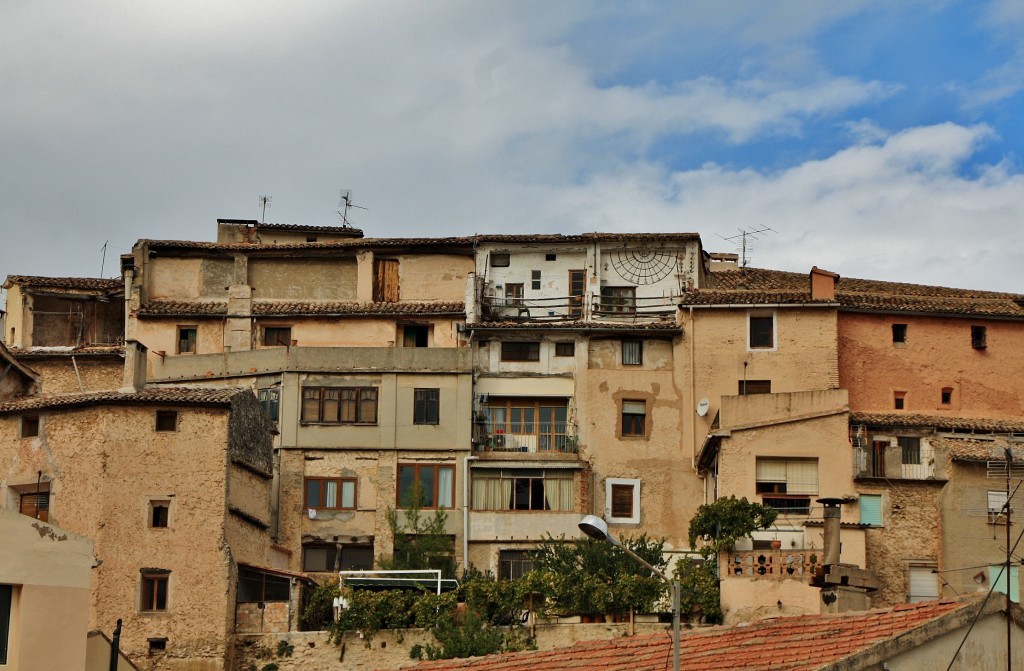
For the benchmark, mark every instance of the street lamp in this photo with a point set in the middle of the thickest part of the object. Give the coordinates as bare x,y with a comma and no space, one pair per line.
596,528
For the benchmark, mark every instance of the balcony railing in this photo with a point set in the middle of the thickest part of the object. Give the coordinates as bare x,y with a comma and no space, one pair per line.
777,564
638,307
547,438
572,308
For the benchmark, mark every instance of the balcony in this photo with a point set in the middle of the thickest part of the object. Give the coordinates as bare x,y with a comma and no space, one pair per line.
541,438
634,308
771,564
557,308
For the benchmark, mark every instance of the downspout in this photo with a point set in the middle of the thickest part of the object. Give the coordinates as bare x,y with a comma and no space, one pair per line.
465,512
77,375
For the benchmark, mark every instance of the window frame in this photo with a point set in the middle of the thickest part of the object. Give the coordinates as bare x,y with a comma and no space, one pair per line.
331,557
910,447
30,426
946,396
754,387
627,420
618,299
610,486
518,562
565,348
979,336
265,339
41,513
519,351
534,479
253,574
635,348
499,259
166,421
151,513
270,398
150,583
193,341
7,601
776,493
357,400
899,400
340,483
881,515
417,469
515,293
996,514
420,333
755,317
426,406
899,335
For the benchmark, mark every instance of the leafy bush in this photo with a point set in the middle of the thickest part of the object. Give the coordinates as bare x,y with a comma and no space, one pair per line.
720,524
319,611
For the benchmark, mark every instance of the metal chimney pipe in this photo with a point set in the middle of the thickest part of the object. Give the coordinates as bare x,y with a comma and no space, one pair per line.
832,518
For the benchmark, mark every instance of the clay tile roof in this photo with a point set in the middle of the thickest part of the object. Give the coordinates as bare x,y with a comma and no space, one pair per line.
758,285
183,308
789,643
61,351
911,420
65,282
658,325
343,230
446,244
152,395
588,237
272,308
967,449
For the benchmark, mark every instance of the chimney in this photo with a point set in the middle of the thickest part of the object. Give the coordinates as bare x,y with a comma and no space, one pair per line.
134,367
844,587
823,284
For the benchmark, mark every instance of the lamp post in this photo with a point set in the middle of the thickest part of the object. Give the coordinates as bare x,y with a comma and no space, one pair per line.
596,528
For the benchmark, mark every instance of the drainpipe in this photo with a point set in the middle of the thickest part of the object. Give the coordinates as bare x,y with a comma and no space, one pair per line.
115,646
465,512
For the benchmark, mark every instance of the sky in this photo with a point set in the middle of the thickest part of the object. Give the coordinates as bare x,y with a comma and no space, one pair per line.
877,140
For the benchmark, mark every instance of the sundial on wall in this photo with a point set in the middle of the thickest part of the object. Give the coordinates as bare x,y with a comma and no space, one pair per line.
643,266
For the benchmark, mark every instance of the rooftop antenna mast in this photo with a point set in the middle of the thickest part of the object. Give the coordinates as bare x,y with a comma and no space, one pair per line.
744,241
103,258
346,204
265,203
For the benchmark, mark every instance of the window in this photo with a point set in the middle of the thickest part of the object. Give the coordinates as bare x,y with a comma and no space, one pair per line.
159,514
577,290
260,586
871,509
910,448
550,257
154,590
6,604
787,485
500,260
899,334
166,420
529,425
978,337
514,564
270,401
632,352
523,489
634,418
996,507
514,294
29,426
947,395
385,281
761,331
35,504
330,493
415,335
924,584
565,349
277,336
187,339
622,500
157,644
535,280
520,351
618,299
997,578
339,405
899,400
322,557
426,485
426,406
748,387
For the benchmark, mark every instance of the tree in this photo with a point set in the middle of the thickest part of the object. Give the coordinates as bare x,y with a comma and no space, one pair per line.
420,541
720,524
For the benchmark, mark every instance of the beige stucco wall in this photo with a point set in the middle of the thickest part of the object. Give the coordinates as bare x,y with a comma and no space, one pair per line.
57,374
983,650
50,568
303,279
17,321
937,354
433,277
104,464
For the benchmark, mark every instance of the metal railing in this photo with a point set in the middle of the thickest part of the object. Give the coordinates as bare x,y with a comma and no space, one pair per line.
540,438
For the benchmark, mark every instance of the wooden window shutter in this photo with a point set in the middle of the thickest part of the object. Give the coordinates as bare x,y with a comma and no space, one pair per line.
385,281
622,500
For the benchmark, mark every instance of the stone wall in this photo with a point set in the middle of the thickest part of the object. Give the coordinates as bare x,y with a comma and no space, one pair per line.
270,617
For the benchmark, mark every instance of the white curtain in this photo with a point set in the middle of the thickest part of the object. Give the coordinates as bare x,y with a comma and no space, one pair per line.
445,487
330,494
348,494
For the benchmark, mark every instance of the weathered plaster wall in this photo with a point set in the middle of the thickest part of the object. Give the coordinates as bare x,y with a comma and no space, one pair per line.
983,650
57,374
433,277
303,279
17,321
937,354
170,278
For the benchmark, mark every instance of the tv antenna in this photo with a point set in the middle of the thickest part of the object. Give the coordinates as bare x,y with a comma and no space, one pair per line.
265,203
744,241
103,258
346,204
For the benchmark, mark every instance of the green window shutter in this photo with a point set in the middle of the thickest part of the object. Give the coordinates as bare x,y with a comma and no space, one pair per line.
1000,581
871,509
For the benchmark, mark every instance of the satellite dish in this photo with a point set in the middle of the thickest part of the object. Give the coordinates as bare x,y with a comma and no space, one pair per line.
312,513
702,407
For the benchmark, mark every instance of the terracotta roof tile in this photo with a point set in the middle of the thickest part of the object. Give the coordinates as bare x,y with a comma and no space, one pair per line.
152,395
65,282
184,308
667,325
264,308
789,644
967,449
85,351
911,420
345,230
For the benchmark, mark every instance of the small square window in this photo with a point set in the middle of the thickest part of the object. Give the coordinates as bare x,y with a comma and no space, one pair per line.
514,564
535,279
899,400
426,406
899,334
166,420
187,339
415,335
565,349
29,426
634,418
632,352
748,387
910,448
154,590
514,293
159,514
979,337
520,351
157,644
277,336
500,260
871,509
947,395
550,257
761,332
